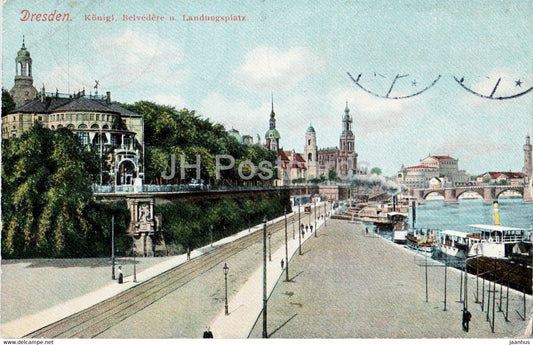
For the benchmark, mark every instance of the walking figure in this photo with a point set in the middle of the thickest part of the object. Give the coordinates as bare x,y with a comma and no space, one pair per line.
282,264
120,275
466,319
208,333
311,228
306,228
303,233
366,229
188,254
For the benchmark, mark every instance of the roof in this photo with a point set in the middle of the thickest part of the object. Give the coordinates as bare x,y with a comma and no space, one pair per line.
56,104
442,157
299,158
495,227
283,156
419,167
85,104
275,133
455,233
496,174
310,129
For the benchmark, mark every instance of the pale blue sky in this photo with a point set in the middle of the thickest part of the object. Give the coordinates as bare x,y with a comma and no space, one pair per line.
301,50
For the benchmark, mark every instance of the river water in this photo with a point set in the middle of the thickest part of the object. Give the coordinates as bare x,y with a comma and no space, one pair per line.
437,214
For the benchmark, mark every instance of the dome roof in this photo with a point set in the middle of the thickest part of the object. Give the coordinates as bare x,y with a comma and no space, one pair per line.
23,53
310,129
272,133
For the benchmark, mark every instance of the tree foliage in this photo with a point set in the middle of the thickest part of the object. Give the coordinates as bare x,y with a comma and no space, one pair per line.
182,132
8,103
47,203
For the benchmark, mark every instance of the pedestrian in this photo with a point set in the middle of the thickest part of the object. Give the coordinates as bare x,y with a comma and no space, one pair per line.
303,233
466,319
120,275
311,228
306,227
208,333
282,264
366,229
188,254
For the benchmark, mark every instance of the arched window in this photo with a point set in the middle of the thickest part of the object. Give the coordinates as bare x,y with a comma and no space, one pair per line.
84,136
59,126
70,126
52,127
309,157
105,127
95,126
82,126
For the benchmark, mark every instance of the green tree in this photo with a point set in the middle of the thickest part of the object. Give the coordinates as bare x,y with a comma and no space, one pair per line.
8,103
376,171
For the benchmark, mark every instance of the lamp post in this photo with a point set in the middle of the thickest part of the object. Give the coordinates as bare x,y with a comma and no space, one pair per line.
286,250
325,212
113,247
299,230
314,204
211,234
265,334
269,246
226,270
134,264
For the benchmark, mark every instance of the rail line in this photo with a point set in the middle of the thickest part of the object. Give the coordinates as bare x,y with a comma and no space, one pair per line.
95,320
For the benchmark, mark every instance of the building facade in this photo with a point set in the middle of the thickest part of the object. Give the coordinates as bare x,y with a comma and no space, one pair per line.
101,125
528,163
445,168
311,154
342,160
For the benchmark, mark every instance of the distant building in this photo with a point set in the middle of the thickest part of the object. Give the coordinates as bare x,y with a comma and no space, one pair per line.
528,163
445,168
311,154
496,177
244,139
99,123
342,160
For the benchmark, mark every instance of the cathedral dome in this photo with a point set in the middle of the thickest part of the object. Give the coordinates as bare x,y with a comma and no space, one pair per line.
272,133
23,53
310,129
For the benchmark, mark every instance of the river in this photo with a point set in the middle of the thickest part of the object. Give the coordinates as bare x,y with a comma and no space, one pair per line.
437,214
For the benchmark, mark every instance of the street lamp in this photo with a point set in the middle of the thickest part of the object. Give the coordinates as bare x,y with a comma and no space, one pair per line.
226,270
211,234
314,204
134,264
299,229
265,334
269,247
113,247
286,249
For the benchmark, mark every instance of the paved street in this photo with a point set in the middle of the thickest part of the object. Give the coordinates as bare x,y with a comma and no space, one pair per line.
351,285
29,286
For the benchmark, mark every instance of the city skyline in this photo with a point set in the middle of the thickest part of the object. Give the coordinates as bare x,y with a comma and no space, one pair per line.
226,71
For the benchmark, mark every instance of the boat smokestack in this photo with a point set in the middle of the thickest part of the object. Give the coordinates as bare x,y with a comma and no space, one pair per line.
496,214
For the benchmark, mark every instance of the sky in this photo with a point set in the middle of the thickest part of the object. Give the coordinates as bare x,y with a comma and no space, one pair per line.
301,51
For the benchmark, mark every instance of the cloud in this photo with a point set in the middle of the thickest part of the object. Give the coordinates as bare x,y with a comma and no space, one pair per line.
269,68
131,56
373,115
167,99
471,147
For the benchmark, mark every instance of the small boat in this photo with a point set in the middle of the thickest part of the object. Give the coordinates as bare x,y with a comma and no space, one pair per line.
419,241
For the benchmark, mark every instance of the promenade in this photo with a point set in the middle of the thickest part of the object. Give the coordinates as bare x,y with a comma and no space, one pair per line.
345,285
350,285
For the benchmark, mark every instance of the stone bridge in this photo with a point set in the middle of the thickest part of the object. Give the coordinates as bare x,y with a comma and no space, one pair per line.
487,192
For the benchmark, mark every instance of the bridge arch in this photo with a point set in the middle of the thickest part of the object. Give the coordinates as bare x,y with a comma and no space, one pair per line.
513,188
469,190
431,191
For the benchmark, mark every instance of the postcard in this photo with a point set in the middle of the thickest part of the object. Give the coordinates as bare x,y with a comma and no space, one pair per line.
266,169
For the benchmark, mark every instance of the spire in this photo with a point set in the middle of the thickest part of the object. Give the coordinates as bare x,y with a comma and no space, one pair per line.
23,45
346,110
272,100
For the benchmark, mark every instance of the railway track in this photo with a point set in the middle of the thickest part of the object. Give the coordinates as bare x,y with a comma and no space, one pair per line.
95,320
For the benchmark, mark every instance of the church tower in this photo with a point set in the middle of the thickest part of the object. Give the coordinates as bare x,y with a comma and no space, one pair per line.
528,164
272,135
310,153
23,90
347,163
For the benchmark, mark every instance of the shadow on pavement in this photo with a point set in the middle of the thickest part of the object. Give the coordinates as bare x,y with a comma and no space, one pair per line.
281,326
292,279
66,263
